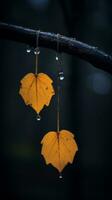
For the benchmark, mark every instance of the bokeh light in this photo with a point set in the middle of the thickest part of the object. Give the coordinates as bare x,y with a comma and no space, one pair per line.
100,83
38,4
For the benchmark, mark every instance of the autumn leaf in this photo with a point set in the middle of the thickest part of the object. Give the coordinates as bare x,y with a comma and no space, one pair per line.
59,149
36,90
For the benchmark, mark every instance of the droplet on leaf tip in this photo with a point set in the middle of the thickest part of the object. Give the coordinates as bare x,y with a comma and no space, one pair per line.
38,117
60,176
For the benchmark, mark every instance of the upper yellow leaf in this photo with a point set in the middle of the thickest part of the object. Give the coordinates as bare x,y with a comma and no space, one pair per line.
36,90
59,149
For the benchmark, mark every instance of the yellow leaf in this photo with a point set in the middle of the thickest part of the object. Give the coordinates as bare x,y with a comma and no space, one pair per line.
36,90
59,149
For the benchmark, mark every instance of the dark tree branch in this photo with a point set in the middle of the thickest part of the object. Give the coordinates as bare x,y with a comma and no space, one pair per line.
67,45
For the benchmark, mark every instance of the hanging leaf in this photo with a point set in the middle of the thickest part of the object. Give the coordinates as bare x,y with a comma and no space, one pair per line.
59,149
36,90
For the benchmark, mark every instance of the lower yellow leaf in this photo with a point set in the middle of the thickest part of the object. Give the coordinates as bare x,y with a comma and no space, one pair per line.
59,149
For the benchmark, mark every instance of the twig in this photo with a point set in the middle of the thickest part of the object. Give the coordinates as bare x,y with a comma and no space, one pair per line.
67,45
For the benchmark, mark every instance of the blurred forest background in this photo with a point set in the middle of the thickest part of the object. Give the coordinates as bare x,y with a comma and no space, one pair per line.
86,104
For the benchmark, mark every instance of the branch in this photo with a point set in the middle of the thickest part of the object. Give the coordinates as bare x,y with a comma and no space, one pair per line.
67,45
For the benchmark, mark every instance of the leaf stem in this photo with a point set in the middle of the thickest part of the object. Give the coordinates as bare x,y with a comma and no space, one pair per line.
36,63
58,105
58,88
37,52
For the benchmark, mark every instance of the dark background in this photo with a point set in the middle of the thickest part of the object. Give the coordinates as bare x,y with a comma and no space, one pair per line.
86,104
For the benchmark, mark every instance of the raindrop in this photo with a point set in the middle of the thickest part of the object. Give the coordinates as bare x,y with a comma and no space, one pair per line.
28,50
61,75
36,52
38,117
60,176
57,58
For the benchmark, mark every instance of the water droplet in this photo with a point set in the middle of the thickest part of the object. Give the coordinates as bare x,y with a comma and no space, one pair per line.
36,51
60,176
28,50
38,117
61,76
57,58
